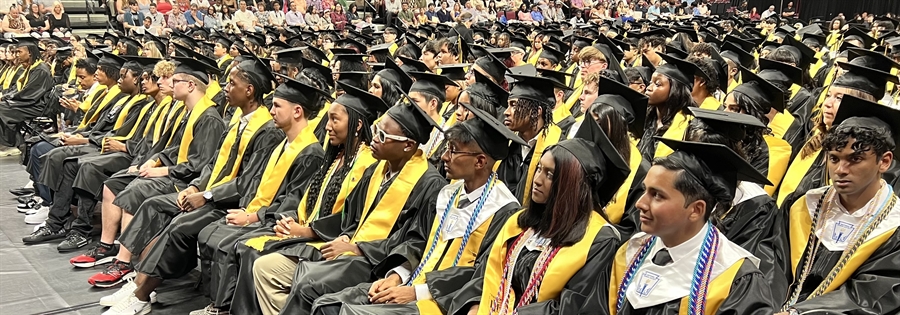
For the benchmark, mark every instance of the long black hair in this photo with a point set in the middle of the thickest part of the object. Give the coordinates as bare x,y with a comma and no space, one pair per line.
753,138
350,149
615,127
390,89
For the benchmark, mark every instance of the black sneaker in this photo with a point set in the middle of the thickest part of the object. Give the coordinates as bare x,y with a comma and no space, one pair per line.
72,242
98,255
25,198
21,191
31,204
43,234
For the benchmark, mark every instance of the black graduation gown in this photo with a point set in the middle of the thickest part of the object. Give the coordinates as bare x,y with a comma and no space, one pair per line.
510,171
751,225
422,197
21,106
441,283
577,294
631,217
814,178
207,128
217,240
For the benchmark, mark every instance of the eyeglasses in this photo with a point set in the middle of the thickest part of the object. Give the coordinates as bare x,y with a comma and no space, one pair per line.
382,136
586,64
451,151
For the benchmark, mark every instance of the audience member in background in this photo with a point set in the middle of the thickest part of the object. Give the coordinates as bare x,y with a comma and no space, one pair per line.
245,19
352,15
133,17
227,18
157,19
212,20
262,15
194,17
443,14
406,15
176,20
163,6
392,8
38,21
339,18
295,18
202,4
276,15
315,20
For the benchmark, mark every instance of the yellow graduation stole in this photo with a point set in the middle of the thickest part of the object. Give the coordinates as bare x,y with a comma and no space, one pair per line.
833,39
212,89
260,117
799,228
818,65
550,137
533,58
223,60
122,115
4,70
795,173
780,123
676,132
733,85
570,102
24,78
129,103
564,265
109,94
174,117
8,79
377,223
198,110
363,160
393,48
779,157
615,210
718,291
560,113
277,168
85,106
157,117
710,103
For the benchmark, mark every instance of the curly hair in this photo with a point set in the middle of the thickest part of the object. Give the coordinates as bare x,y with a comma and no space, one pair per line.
533,111
868,138
317,79
708,66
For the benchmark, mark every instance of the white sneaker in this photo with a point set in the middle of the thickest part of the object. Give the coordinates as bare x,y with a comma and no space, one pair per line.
129,306
38,217
10,152
123,293
33,211
36,227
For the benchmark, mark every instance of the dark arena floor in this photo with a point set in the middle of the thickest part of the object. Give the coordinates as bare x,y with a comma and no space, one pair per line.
37,279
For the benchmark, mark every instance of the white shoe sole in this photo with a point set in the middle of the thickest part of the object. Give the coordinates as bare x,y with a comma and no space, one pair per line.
128,276
35,220
96,263
108,304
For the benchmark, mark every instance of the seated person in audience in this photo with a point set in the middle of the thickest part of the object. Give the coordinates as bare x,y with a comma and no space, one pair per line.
60,165
389,197
841,241
24,99
193,144
650,273
469,213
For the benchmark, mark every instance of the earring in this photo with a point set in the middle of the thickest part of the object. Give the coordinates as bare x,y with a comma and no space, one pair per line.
405,149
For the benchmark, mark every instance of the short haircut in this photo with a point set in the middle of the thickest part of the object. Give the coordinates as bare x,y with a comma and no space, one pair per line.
653,41
687,185
590,53
87,65
633,75
703,48
708,66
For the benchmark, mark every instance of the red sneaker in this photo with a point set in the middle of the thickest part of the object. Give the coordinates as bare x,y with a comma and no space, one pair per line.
115,273
98,255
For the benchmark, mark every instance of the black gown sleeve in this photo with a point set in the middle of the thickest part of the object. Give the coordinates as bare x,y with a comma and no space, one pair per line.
872,289
631,216
32,92
749,294
305,165
207,131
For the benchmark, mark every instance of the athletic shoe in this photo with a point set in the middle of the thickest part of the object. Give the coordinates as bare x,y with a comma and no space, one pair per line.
33,211
39,226
129,306
123,293
23,199
29,205
210,310
27,190
97,255
72,242
40,216
10,152
114,274
43,234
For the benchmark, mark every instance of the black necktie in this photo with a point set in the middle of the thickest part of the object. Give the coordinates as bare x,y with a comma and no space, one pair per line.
662,257
463,202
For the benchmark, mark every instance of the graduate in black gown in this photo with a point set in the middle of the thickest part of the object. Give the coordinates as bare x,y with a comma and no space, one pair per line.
547,258
423,271
841,241
177,165
24,100
390,194
669,96
681,263
60,165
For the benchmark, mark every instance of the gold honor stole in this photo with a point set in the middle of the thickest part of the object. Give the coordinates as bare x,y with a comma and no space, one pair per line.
779,157
198,110
364,159
277,168
393,48
535,55
449,248
111,93
781,123
173,118
570,102
799,228
818,65
129,103
212,89
223,60
733,85
719,288
24,78
710,103
377,223
551,136
616,209
156,119
564,265
676,132
795,173
560,113
88,102
7,81
260,117
71,78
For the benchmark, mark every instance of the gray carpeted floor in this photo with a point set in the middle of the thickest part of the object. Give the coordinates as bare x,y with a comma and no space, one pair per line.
37,279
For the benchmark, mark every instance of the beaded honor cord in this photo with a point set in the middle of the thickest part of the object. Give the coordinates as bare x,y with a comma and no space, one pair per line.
699,281
492,180
498,305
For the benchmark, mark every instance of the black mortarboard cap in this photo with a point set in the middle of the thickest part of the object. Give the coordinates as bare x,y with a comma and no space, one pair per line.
492,67
538,89
290,55
430,83
112,60
736,54
719,161
860,113
760,90
791,73
259,73
491,135
299,93
555,56
861,35
487,90
194,67
559,78
729,124
325,71
412,65
746,45
364,103
860,75
803,53
604,167
679,70
349,42
455,72
146,63
415,122
396,74
631,104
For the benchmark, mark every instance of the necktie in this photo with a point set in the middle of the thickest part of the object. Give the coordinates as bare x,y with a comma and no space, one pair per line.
662,257
463,202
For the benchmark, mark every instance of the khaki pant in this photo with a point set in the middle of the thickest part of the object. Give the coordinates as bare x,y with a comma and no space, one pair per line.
272,276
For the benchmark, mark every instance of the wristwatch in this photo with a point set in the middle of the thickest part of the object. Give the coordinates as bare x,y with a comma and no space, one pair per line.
208,196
